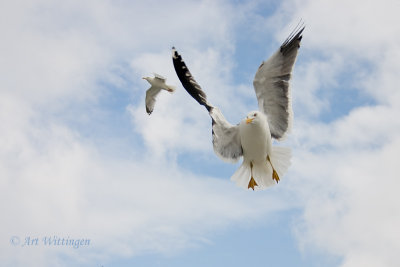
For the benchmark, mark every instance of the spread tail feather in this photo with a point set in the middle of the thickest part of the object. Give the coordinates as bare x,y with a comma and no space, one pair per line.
280,159
242,175
262,171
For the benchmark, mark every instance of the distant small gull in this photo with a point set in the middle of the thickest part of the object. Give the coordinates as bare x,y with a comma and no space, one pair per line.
263,163
157,83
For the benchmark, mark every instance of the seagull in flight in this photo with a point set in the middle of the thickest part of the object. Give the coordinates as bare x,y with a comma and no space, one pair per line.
263,164
157,84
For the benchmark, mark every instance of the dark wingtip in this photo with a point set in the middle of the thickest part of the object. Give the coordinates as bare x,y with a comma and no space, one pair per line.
174,53
188,81
294,38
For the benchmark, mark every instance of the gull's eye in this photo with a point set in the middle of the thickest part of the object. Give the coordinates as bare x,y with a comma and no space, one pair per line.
255,115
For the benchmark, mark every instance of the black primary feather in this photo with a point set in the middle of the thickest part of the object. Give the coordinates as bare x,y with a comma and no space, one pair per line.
187,80
293,41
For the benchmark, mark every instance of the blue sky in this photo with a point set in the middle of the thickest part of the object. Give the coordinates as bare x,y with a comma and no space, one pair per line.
80,158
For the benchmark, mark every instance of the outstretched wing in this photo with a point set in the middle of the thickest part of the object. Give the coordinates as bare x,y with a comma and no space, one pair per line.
159,77
226,138
187,80
271,84
151,95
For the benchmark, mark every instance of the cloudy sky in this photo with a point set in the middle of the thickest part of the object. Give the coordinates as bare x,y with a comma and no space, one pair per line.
80,158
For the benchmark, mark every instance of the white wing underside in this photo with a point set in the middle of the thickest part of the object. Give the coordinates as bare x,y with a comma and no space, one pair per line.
226,138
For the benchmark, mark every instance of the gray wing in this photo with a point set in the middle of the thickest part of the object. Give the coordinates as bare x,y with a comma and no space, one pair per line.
226,138
271,84
151,95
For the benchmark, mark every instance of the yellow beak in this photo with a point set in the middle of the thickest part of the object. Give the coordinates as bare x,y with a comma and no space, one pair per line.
249,120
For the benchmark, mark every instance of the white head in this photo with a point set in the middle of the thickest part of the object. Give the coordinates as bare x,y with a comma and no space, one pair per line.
255,117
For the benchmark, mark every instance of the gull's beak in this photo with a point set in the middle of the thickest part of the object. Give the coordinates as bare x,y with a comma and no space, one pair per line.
144,78
249,120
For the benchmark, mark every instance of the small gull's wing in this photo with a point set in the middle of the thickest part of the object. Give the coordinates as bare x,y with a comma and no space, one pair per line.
151,95
226,138
271,84
159,77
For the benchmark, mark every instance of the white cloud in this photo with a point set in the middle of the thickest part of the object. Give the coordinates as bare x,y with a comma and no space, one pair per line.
56,182
310,79
350,203
345,171
125,207
360,29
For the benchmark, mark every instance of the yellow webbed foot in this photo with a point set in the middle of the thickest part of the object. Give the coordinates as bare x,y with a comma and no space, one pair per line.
275,176
252,183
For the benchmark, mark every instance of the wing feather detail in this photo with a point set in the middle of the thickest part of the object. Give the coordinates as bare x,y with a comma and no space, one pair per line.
160,77
188,81
225,136
151,95
271,84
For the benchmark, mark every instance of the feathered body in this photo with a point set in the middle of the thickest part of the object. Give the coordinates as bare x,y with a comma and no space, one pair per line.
255,137
260,158
263,164
157,84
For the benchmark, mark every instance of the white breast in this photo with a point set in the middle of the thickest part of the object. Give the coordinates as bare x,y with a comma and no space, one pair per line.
256,140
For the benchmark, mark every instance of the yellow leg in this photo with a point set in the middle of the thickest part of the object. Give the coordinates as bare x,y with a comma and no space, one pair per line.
275,175
252,182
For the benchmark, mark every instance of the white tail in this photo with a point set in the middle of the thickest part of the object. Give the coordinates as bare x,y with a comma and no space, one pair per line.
280,159
262,171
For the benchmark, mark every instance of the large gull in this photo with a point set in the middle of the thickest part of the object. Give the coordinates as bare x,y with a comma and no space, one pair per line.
157,84
251,139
